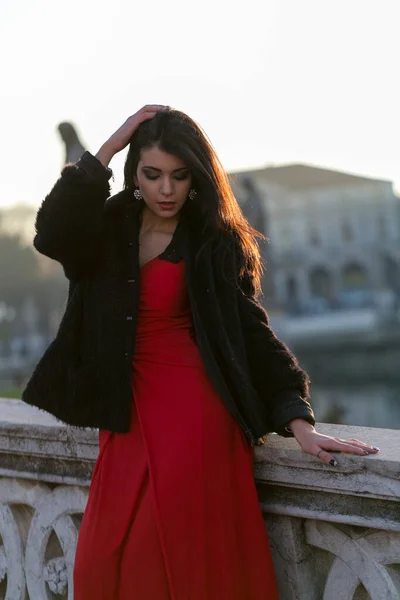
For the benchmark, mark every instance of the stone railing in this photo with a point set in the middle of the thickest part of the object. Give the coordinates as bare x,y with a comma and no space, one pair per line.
334,532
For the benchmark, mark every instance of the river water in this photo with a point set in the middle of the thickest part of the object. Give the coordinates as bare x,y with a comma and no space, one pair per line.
371,404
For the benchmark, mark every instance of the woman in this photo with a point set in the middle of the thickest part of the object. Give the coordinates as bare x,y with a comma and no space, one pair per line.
181,374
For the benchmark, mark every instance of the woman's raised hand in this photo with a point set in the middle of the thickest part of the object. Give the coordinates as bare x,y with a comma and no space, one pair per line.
121,138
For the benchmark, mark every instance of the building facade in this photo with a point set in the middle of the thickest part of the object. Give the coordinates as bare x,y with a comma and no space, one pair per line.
334,237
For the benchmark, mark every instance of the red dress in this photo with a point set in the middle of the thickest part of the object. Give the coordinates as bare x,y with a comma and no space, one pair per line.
173,512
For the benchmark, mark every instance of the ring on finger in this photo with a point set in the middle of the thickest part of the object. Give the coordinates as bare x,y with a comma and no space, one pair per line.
319,452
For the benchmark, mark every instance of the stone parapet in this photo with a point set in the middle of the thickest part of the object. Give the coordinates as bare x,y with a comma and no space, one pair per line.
334,531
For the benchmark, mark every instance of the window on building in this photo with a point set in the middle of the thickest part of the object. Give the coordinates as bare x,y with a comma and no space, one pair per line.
320,281
347,232
382,231
292,288
285,237
354,276
313,237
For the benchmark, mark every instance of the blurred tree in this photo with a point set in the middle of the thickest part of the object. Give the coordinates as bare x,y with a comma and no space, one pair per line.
33,288
19,219
21,276
18,269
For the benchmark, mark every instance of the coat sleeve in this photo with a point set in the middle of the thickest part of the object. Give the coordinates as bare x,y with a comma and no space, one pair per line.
70,221
275,371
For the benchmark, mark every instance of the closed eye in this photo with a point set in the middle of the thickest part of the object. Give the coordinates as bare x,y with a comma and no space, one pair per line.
176,177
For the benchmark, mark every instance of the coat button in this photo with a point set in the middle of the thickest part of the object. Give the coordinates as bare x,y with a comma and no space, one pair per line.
126,354
130,243
129,318
131,280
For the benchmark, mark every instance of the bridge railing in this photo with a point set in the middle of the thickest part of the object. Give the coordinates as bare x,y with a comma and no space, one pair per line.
334,531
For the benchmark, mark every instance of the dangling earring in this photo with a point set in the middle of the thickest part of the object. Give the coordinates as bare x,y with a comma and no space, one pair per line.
192,194
138,194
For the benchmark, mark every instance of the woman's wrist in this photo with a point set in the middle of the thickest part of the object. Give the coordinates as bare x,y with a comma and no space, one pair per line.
105,154
299,426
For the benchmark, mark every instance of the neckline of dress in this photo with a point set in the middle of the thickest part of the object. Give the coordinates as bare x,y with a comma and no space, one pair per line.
166,249
149,261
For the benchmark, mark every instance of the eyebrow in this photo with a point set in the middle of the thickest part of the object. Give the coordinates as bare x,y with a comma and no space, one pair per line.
160,170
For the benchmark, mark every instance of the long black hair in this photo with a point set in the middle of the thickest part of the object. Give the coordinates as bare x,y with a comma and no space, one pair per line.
215,206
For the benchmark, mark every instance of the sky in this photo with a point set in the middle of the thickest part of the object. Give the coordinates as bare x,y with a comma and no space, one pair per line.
270,81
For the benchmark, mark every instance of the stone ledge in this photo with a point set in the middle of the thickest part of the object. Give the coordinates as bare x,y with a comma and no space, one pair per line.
35,445
361,490
331,507
334,532
281,460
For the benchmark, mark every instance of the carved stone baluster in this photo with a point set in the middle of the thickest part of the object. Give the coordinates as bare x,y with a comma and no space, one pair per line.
53,514
14,524
11,555
361,557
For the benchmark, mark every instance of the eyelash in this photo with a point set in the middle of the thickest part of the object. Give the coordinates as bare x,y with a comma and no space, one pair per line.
177,177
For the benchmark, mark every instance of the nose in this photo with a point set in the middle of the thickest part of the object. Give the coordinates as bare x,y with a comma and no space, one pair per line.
166,186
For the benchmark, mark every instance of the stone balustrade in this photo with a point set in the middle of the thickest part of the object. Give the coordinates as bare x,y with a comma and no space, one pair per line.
334,532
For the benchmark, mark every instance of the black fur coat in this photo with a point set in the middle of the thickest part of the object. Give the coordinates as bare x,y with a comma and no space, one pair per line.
84,376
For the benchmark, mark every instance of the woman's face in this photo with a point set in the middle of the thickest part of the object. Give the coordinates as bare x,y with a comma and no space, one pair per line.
164,181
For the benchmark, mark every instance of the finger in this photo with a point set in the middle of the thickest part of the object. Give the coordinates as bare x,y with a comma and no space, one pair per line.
147,111
326,457
357,442
151,107
147,116
143,112
345,446
151,112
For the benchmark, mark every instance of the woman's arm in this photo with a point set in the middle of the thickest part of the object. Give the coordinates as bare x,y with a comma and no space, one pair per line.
275,371
69,223
285,386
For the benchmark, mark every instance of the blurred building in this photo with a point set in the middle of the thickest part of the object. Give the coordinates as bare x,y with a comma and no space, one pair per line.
253,203
334,236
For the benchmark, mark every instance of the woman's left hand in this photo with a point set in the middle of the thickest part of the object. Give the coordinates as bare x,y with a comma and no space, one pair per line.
317,444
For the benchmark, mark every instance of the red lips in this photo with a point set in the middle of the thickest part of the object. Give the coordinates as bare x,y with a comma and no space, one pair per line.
167,205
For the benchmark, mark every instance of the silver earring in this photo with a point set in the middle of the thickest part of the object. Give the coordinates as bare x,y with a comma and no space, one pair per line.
138,194
192,194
